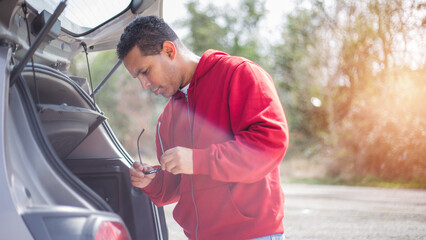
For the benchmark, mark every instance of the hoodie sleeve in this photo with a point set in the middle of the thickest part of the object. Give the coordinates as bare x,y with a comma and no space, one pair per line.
259,127
163,189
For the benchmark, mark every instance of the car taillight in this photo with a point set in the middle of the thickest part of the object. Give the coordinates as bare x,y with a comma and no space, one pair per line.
112,231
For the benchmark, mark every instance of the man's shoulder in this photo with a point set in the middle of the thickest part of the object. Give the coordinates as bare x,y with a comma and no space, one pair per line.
167,109
233,62
216,56
216,63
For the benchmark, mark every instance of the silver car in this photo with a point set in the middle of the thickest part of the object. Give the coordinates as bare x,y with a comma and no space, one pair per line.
63,173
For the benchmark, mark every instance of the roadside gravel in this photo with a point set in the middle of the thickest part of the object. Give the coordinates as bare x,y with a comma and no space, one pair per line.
342,212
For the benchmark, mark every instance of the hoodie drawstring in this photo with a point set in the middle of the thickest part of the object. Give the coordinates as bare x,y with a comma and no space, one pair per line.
191,178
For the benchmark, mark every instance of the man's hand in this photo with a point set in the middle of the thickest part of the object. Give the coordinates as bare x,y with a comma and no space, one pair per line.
138,178
178,160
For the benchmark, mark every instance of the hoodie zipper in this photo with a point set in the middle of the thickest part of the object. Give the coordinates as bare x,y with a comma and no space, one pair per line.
191,177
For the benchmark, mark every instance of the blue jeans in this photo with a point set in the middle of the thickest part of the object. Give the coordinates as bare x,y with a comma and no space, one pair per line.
271,237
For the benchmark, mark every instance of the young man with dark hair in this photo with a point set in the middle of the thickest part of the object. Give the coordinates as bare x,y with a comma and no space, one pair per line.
220,138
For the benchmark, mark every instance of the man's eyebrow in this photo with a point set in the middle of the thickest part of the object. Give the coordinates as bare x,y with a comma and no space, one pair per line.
142,69
138,72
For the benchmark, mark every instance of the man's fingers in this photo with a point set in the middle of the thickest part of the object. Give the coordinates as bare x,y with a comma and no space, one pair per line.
170,151
169,156
175,170
135,179
136,173
177,160
137,166
173,165
164,160
150,175
138,178
170,165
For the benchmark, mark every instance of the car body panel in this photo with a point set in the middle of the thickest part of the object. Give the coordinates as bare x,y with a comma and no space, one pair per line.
60,162
7,206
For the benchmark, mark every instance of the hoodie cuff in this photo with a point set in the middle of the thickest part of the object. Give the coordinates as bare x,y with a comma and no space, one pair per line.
200,158
153,185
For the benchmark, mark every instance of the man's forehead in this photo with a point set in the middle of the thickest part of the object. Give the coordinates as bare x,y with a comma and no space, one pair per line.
133,64
134,60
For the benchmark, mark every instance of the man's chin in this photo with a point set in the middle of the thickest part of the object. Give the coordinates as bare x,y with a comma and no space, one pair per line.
166,95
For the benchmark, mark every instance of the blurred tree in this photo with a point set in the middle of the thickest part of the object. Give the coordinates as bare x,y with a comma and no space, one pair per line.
242,29
350,75
376,61
232,30
205,33
299,62
362,59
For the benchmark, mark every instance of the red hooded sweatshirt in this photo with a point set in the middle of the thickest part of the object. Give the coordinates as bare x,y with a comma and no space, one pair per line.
233,120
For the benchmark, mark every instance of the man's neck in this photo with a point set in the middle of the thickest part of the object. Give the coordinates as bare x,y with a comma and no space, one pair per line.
190,62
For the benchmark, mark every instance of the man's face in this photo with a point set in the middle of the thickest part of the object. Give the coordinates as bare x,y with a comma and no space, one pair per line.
157,72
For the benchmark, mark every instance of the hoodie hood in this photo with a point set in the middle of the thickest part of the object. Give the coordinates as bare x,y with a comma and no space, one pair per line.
207,62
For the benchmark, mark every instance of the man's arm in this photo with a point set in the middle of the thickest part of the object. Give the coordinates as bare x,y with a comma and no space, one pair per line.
259,126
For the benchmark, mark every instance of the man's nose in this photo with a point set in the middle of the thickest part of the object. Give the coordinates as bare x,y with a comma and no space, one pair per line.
145,83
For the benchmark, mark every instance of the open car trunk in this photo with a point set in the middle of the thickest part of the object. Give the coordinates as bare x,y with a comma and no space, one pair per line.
66,172
83,141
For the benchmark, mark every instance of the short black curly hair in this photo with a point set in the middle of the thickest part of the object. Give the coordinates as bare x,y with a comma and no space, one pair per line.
148,33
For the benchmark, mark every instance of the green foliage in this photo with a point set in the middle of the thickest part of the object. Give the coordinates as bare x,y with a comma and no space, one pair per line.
229,30
298,59
350,55
205,33
360,58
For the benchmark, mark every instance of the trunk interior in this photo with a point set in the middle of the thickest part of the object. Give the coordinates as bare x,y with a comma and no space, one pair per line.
84,142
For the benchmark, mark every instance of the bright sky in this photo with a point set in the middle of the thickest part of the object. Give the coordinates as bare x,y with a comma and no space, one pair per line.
270,28
87,14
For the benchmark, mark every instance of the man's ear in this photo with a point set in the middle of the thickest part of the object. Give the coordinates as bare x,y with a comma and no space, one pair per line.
169,48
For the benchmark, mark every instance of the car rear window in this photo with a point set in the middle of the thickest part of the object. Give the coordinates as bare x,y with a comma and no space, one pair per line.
81,16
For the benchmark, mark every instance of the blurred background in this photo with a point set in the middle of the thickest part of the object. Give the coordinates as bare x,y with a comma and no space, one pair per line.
350,74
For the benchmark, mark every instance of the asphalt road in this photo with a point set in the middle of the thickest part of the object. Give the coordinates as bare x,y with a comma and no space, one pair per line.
341,212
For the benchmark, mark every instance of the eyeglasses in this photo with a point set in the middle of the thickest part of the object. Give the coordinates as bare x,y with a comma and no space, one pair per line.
154,170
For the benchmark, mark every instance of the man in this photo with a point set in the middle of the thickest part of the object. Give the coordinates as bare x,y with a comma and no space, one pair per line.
220,138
